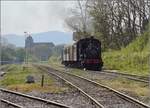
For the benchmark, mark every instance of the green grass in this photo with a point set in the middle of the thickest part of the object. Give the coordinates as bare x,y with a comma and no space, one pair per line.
124,85
133,59
15,79
54,60
15,75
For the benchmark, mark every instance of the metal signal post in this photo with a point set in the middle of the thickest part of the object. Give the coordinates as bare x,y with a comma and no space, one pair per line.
26,51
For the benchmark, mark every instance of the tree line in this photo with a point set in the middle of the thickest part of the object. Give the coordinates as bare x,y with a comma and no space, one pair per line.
115,23
9,53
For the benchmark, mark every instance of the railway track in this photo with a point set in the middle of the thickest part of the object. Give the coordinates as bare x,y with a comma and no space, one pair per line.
102,95
8,104
95,103
128,76
133,77
17,99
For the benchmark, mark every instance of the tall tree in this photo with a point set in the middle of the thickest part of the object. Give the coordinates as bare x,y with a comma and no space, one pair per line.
115,22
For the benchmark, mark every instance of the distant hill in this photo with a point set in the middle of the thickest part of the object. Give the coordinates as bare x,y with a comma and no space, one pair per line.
56,37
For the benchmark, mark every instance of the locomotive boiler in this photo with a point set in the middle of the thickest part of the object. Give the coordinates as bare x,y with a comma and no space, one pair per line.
84,53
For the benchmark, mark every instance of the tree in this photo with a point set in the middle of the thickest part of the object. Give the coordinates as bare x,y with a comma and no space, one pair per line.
7,54
115,23
20,54
118,21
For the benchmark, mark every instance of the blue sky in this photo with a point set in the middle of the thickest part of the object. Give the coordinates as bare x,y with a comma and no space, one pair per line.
34,16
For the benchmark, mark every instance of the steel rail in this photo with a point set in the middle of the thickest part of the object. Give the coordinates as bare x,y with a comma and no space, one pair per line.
109,71
123,96
35,98
11,103
124,75
79,89
128,76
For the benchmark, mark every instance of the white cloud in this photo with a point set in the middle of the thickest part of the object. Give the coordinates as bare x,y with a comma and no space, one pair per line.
33,16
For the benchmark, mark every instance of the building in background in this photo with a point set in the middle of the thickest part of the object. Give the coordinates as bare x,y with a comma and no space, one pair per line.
41,50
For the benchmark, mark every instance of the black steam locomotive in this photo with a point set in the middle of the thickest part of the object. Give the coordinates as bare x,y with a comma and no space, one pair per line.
85,53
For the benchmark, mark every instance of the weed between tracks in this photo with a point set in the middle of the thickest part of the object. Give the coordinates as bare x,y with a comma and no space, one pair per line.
134,89
15,79
121,84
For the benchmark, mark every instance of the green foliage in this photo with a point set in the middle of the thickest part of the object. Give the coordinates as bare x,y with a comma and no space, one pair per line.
33,58
11,53
54,59
42,50
7,53
20,54
133,59
15,79
14,76
57,50
139,44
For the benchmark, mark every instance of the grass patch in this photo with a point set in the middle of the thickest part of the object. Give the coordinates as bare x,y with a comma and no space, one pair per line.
15,79
134,89
133,63
16,75
133,59
121,84
55,61
78,72
35,87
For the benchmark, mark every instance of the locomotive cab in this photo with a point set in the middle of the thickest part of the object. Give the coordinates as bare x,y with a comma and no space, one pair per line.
89,50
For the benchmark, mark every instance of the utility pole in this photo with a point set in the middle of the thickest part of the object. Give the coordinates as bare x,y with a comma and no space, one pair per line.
0,49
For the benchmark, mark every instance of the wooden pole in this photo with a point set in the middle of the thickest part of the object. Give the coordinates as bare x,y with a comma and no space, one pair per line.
42,81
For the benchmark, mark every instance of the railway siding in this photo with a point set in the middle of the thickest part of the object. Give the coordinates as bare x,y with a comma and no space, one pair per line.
128,76
136,89
98,93
91,101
